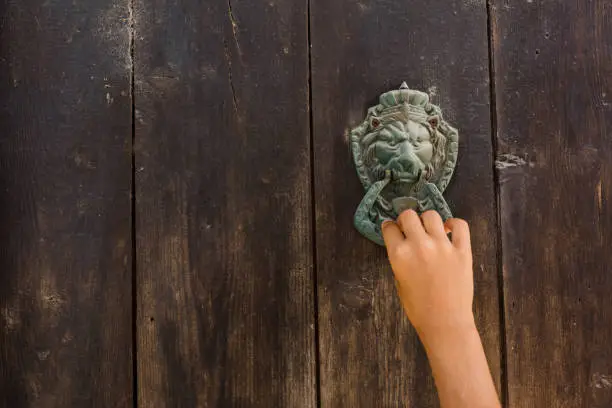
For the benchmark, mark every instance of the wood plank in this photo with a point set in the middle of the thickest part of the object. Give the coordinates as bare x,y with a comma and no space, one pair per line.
370,356
65,183
553,64
224,251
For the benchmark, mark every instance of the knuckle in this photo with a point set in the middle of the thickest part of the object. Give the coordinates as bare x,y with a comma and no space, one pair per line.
400,251
385,227
430,214
407,214
426,246
459,223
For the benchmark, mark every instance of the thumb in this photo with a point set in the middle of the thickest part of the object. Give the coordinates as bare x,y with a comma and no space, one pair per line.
392,234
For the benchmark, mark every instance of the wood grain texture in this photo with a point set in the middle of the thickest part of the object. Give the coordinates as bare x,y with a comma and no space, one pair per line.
370,356
65,182
553,65
224,250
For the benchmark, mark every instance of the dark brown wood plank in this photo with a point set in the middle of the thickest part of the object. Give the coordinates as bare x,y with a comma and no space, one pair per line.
370,356
553,64
224,250
65,182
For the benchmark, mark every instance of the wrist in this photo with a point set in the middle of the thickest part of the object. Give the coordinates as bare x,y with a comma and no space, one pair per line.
459,366
439,335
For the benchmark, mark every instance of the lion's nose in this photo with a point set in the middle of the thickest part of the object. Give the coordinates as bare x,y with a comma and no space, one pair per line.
405,153
402,160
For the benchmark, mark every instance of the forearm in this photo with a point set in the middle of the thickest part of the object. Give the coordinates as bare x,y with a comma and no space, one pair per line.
460,368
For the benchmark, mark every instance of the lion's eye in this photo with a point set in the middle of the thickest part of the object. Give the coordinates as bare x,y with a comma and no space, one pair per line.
375,123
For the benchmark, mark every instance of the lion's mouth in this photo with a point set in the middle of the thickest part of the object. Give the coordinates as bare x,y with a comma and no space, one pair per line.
406,168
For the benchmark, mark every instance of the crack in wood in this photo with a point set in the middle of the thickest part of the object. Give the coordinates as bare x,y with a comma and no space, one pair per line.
234,24
228,57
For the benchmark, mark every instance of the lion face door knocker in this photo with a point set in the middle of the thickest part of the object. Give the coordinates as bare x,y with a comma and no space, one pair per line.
405,155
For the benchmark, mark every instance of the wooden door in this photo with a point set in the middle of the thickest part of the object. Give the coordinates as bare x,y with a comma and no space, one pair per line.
177,195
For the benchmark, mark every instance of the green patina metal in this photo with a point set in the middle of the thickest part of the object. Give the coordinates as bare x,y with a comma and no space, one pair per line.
405,155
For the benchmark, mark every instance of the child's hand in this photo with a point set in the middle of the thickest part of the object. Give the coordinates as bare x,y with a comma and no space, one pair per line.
435,283
433,273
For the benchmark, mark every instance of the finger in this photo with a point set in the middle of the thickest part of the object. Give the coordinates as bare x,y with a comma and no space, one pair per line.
411,225
461,232
433,224
392,234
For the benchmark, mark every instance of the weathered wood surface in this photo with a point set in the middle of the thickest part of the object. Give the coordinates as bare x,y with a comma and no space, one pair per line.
370,356
553,65
223,205
65,182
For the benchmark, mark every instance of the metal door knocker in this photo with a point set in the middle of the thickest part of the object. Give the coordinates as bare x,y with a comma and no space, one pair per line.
405,155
